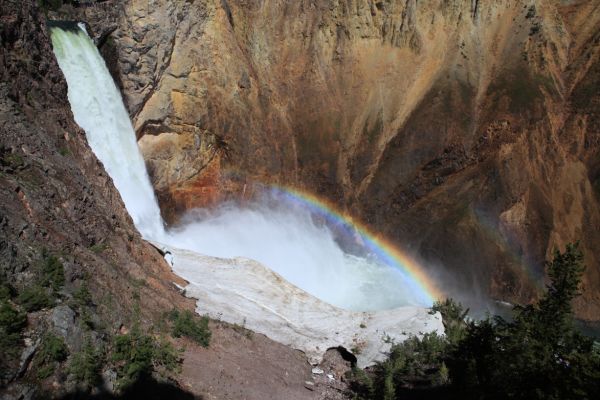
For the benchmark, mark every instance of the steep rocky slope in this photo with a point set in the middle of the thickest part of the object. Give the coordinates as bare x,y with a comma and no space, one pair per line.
466,131
57,201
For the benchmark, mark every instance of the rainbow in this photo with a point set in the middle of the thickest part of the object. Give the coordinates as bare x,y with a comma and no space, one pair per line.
417,281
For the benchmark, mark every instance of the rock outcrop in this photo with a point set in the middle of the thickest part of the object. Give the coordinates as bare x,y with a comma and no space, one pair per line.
477,117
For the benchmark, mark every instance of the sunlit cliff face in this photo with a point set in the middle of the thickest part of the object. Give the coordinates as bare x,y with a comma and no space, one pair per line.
464,130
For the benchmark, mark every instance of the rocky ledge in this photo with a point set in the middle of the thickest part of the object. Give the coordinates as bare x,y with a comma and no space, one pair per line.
244,292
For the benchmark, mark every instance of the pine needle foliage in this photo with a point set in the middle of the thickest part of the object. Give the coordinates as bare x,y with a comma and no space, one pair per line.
538,354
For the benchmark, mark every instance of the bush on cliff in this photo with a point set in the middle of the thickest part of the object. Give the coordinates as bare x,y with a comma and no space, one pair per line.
34,298
414,363
137,356
12,323
86,365
186,323
47,285
52,350
53,272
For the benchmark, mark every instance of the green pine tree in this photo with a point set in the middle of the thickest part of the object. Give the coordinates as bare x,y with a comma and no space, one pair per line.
537,355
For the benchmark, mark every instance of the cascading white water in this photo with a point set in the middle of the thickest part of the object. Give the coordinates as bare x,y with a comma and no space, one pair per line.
292,243
286,240
98,108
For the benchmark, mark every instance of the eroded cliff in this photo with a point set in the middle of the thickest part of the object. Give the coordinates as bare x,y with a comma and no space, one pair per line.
466,131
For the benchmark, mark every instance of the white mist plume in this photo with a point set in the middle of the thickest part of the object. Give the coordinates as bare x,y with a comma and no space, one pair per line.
287,240
291,242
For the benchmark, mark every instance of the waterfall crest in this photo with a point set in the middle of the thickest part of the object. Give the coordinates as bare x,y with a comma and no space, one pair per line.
98,108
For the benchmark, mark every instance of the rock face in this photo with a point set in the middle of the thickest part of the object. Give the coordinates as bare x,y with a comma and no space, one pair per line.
55,198
477,117
244,292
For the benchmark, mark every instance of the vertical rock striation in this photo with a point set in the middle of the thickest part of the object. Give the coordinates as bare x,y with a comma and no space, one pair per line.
465,130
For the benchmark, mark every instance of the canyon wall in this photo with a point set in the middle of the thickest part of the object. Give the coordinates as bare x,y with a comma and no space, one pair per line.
57,200
467,131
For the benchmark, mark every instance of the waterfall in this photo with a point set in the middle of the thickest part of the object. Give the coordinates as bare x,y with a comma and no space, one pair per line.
287,240
98,108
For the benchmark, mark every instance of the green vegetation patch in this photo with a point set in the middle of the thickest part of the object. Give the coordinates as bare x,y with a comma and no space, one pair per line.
137,355
537,355
12,160
50,280
454,317
12,324
53,272
34,298
52,350
82,296
414,361
188,324
99,247
86,365
6,292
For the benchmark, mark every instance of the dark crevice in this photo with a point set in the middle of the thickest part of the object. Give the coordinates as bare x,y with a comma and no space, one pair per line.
346,355
475,8
227,11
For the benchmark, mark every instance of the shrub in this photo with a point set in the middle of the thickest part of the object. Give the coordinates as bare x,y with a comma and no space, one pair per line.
6,292
51,276
86,365
34,298
82,296
83,300
454,319
414,362
12,323
13,160
188,324
98,247
537,355
166,356
53,348
137,355
53,272
45,371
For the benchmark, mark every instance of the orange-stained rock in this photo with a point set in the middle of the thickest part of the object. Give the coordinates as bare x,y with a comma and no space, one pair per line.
466,131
